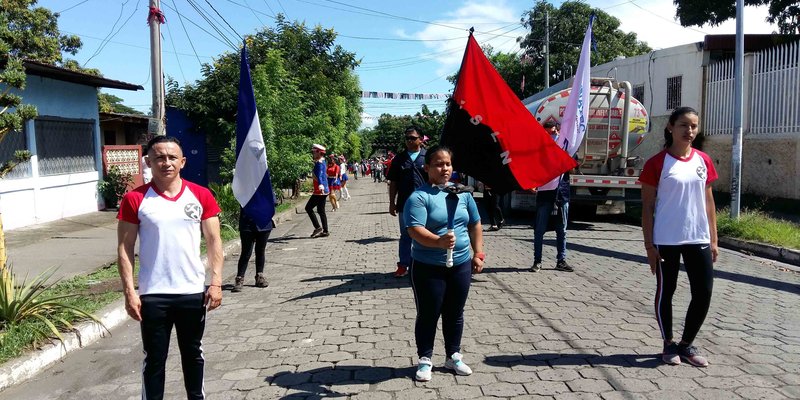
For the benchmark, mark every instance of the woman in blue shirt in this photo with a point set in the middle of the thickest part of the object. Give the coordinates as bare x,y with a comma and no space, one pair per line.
439,289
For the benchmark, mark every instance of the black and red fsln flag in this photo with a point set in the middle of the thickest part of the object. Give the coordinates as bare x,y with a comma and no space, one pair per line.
494,138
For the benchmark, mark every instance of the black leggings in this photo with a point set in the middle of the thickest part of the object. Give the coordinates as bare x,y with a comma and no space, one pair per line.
317,201
439,290
700,270
160,312
260,241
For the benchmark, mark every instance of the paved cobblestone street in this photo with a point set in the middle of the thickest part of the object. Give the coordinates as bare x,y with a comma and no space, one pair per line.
334,323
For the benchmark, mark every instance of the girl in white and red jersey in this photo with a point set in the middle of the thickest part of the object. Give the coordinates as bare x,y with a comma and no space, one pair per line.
679,219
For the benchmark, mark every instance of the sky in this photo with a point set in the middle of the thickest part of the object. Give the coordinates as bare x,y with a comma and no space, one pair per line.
408,46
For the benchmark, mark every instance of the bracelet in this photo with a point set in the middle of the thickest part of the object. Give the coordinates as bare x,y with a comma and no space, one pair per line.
219,286
481,256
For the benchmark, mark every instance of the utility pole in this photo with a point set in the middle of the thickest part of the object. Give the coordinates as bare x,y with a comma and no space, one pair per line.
155,18
546,48
738,109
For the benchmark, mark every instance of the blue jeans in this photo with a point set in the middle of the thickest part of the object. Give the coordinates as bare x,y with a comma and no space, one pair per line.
404,247
543,212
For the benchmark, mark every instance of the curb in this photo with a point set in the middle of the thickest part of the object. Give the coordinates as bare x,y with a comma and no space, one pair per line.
788,256
31,363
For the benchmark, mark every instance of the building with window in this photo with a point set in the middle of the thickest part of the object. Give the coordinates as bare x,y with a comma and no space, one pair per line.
60,180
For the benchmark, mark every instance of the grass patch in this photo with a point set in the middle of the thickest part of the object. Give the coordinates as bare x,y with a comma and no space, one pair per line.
93,292
755,225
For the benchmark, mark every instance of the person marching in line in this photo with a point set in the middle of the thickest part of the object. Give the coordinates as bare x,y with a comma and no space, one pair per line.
679,220
168,215
334,184
321,191
406,175
440,280
344,193
252,234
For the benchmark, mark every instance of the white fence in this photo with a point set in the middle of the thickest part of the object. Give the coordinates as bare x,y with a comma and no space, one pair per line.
771,93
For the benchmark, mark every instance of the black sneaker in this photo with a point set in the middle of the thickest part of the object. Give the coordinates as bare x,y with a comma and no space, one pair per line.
316,233
562,265
537,266
692,356
324,234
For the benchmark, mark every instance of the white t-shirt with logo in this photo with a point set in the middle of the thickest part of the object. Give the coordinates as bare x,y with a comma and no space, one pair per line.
169,230
680,215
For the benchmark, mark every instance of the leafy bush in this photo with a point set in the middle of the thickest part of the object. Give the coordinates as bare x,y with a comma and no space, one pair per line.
229,217
114,186
21,302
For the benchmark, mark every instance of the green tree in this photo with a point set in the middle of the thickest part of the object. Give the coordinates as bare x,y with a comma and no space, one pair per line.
112,104
567,28
32,33
388,133
306,92
784,13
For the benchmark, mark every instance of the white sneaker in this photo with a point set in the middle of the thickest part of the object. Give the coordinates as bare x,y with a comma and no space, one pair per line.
455,363
424,369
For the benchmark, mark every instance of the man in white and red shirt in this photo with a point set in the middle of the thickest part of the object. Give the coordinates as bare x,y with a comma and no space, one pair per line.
168,215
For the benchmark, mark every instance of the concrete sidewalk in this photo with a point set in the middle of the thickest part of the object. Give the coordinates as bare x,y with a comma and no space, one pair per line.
75,246
334,323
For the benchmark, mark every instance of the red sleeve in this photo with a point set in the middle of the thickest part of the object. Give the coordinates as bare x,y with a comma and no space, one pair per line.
129,205
651,173
711,173
207,200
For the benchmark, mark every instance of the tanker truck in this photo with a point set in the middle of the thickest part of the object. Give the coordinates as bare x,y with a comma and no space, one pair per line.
608,161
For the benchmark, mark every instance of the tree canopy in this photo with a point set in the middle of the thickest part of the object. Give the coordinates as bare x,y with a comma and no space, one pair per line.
388,134
784,13
32,33
306,92
567,27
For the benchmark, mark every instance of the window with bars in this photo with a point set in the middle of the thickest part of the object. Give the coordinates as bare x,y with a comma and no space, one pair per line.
14,141
64,146
674,92
638,92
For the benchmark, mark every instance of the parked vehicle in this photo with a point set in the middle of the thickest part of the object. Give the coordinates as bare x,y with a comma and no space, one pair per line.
617,125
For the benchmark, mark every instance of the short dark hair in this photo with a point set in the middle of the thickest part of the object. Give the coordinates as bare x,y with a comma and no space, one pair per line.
163,139
551,124
413,128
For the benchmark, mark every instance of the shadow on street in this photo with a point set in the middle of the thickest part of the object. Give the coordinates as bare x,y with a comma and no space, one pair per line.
320,383
354,283
566,359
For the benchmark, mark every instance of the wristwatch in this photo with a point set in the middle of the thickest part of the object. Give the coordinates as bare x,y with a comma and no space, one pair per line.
481,256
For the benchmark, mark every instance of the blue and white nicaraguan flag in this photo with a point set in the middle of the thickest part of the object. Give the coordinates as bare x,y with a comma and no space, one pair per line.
252,186
573,124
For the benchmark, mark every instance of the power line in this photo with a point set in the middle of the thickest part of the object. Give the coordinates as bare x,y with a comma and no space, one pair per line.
71,7
113,33
281,4
225,20
270,8
211,23
224,40
180,18
180,67
251,9
666,19
254,13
